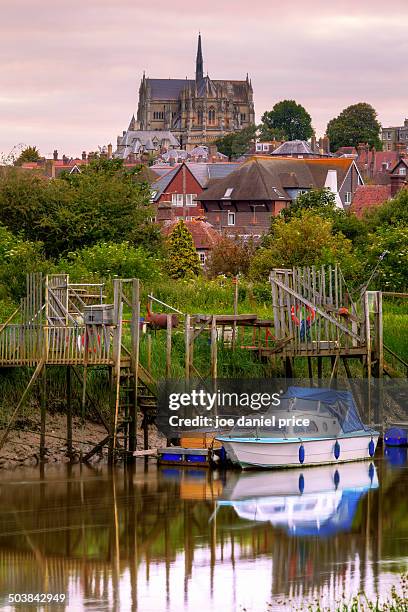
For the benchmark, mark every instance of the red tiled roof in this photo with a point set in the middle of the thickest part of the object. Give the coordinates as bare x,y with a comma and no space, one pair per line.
379,158
367,196
205,236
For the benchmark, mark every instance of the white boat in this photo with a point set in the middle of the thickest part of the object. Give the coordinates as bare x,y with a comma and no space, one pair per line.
320,501
320,426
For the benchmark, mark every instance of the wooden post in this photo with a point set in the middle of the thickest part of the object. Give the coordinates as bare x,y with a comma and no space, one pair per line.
368,354
214,346
168,345
319,367
43,383
187,345
149,339
69,413
135,366
234,327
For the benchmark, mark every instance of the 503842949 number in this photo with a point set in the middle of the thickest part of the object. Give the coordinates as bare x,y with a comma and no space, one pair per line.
36,598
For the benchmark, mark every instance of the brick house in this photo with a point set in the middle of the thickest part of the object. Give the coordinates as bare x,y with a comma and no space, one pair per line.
174,193
244,202
399,176
369,196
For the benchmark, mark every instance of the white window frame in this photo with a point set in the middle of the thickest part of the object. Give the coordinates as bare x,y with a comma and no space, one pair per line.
259,146
202,257
402,171
177,199
228,193
265,147
347,197
231,218
190,199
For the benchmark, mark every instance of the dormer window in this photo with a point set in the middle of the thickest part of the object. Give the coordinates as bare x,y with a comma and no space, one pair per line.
402,171
227,194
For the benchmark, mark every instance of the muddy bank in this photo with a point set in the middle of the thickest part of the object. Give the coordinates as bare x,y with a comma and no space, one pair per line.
23,444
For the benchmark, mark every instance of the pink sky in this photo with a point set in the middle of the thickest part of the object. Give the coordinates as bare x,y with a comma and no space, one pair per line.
70,71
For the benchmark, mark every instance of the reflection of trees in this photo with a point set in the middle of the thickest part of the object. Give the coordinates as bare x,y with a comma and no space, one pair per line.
90,526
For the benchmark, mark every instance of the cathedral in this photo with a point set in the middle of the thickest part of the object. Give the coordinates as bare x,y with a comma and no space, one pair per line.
195,111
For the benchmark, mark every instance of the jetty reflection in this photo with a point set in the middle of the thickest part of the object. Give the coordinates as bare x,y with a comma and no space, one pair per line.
168,539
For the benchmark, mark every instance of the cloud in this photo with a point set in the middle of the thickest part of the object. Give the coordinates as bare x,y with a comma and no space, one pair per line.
70,71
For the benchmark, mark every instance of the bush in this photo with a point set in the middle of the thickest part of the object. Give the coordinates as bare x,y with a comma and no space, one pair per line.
230,256
305,240
108,259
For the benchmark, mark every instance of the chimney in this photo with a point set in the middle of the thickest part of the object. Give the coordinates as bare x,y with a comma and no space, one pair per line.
84,155
55,155
326,144
401,150
332,184
313,144
361,148
65,159
398,181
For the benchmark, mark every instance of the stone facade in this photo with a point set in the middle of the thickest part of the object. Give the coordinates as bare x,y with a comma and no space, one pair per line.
395,138
197,111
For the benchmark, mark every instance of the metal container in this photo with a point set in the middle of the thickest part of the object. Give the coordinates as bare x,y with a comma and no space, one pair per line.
99,314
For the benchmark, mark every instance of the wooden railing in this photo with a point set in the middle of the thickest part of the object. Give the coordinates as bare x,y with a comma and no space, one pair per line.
76,344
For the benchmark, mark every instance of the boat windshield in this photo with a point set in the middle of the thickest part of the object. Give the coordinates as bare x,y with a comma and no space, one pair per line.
305,412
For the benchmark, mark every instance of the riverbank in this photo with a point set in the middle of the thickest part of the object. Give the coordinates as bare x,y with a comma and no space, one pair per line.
22,445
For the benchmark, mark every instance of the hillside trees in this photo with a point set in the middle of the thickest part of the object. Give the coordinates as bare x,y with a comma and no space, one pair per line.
103,203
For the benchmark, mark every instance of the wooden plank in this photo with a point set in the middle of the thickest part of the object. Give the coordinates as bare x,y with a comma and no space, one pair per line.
214,347
187,346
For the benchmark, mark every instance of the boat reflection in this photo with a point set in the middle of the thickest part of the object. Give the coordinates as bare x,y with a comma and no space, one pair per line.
319,501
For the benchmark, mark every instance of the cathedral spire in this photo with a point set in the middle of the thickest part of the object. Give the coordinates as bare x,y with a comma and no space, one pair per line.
199,61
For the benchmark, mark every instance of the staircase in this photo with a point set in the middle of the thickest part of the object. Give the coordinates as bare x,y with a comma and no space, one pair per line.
146,406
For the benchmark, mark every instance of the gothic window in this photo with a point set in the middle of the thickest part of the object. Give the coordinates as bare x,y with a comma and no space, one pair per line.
159,115
211,116
243,117
200,117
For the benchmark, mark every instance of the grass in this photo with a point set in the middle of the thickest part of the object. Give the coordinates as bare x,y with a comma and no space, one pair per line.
397,601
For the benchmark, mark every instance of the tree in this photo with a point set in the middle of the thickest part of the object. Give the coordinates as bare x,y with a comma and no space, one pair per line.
29,154
236,144
356,124
230,256
183,260
320,201
305,240
288,119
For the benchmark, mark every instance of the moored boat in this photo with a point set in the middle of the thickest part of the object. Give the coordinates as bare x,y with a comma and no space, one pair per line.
310,427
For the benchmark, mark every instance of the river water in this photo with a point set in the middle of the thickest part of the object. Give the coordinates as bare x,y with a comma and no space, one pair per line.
183,539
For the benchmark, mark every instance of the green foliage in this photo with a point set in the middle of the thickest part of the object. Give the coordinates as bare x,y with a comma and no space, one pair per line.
393,270
103,203
322,202
17,258
183,260
390,213
236,144
230,256
355,124
288,119
305,240
29,154
109,259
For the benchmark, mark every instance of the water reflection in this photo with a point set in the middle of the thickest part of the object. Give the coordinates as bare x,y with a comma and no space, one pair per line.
318,501
172,539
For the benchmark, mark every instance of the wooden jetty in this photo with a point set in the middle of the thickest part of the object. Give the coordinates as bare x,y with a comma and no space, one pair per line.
68,324
60,323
